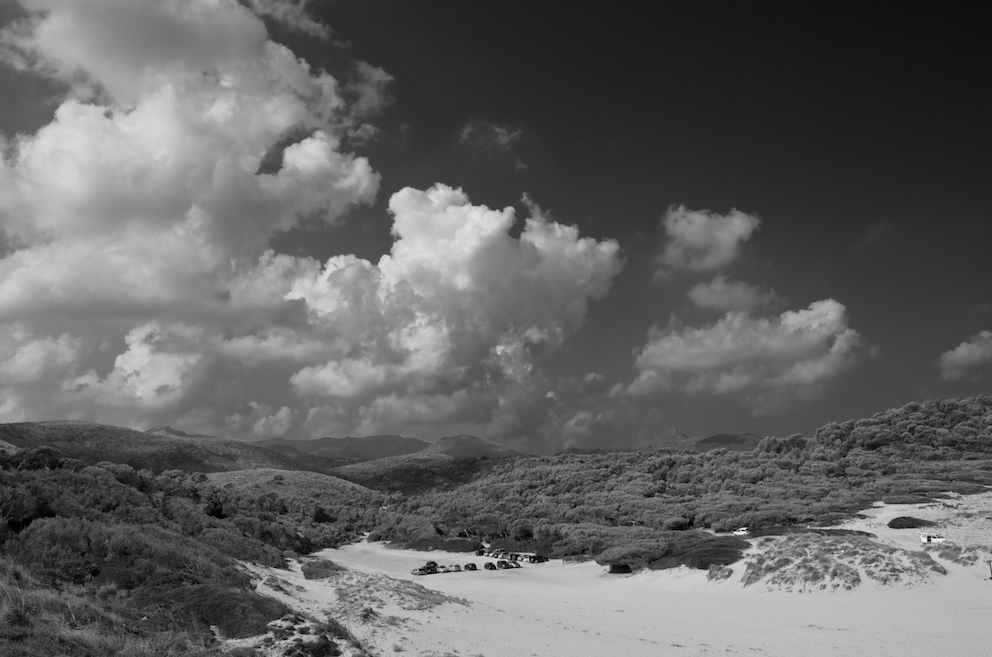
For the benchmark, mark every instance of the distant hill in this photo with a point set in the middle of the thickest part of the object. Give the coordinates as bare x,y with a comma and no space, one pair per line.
167,430
349,448
299,489
734,442
415,473
469,447
671,439
93,442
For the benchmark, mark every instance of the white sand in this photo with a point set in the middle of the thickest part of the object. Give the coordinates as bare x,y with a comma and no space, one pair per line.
577,609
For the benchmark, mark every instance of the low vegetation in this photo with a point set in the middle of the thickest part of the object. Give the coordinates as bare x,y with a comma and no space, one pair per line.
99,557
105,560
582,504
810,561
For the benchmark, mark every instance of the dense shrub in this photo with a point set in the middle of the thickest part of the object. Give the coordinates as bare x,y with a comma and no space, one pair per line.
909,522
692,549
79,551
320,568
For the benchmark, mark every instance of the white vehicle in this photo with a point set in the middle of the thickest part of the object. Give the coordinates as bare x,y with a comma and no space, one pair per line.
741,531
931,538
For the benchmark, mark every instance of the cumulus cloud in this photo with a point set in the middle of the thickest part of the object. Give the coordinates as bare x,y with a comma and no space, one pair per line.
450,325
291,13
137,280
721,294
701,241
138,285
967,357
771,361
138,219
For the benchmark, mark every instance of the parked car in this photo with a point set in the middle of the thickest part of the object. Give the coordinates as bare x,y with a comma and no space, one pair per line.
503,564
741,531
490,566
479,553
456,568
470,566
515,564
420,571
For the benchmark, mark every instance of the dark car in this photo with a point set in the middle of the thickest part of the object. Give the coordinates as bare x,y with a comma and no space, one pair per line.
502,564
490,566
515,564
470,566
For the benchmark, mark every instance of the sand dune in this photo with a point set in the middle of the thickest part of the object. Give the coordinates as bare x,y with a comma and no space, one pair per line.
577,609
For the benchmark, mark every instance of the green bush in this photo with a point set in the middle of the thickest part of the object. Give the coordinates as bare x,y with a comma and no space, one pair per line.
320,568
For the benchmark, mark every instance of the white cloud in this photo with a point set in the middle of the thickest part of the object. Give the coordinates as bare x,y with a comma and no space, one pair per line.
138,273
291,13
772,361
453,319
721,294
28,359
137,217
968,356
700,240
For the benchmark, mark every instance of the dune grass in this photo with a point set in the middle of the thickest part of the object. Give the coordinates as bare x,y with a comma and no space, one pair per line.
809,562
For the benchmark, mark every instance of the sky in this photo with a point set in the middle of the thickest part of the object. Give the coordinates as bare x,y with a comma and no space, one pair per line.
545,228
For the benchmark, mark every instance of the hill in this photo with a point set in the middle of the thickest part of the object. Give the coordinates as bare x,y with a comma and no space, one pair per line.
469,447
169,430
349,448
581,503
735,442
415,473
297,488
92,443
671,439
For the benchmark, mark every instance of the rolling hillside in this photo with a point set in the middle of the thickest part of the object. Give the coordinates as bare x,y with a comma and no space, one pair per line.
348,448
469,447
92,443
734,442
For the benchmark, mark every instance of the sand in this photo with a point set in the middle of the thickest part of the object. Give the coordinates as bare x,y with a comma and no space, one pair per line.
577,609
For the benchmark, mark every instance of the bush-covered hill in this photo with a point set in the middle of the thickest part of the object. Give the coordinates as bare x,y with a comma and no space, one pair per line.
107,560
156,452
349,449
91,549
573,504
413,474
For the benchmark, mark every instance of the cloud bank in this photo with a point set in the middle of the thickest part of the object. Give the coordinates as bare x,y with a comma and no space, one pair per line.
702,241
771,362
721,295
138,284
970,355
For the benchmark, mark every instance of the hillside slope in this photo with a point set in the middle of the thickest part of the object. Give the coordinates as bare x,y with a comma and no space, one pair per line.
469,447
734,442
92,443
349,448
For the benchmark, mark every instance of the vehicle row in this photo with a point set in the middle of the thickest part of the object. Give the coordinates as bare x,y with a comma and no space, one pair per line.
502,553
433,568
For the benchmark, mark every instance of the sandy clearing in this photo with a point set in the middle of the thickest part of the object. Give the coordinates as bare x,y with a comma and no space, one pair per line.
577,609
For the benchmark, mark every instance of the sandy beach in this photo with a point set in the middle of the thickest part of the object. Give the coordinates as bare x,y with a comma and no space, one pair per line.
560,608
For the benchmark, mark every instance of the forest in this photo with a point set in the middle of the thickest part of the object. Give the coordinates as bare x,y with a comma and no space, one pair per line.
100,558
